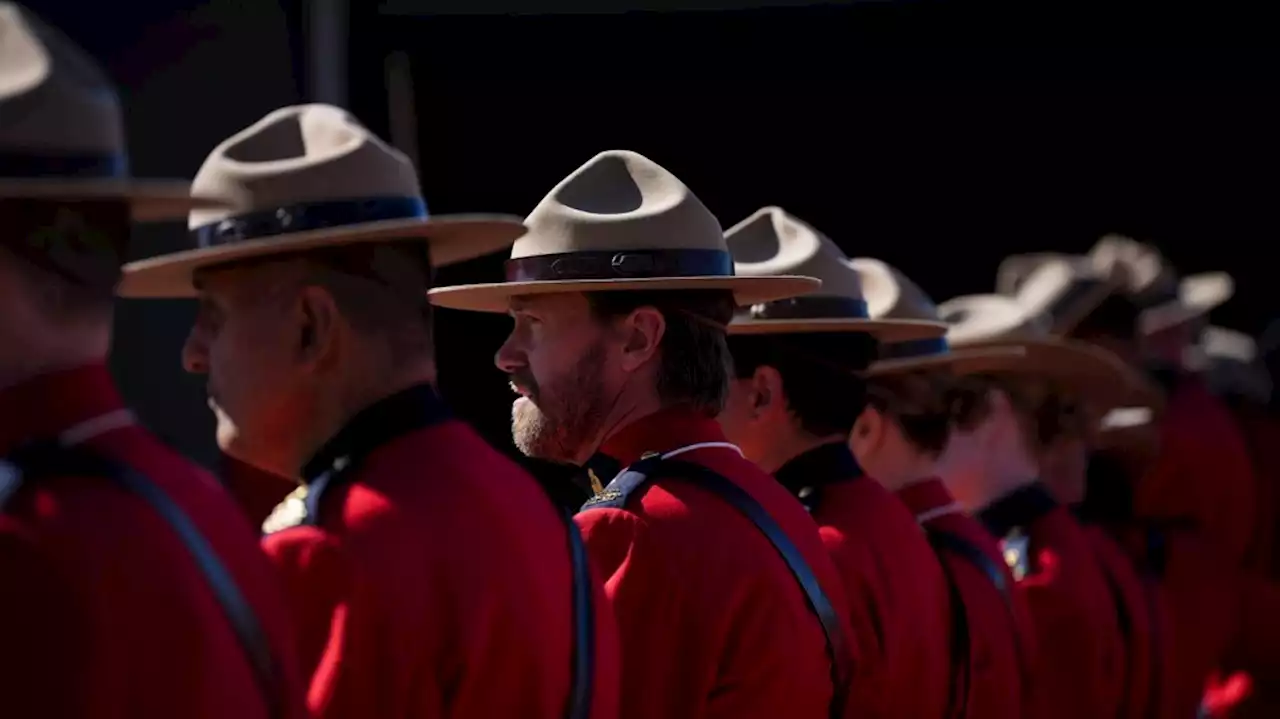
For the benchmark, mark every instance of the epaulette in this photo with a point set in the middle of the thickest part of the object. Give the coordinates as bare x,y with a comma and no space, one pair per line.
301,507
619,490
1016,548
10,481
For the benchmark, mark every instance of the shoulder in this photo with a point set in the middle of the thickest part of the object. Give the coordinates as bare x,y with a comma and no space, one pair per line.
40,590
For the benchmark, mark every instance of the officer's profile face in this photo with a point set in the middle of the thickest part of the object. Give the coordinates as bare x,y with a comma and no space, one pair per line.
249,340
559,358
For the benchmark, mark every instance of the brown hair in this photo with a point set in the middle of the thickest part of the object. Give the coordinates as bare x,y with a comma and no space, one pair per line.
68,253
695,361
380,288
922,405
1046,411
819,371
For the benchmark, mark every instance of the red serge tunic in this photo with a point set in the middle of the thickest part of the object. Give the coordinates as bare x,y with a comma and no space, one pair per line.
103,611
1081,657
713,623
1144,626
899,598
431,575
1200,439
1000,629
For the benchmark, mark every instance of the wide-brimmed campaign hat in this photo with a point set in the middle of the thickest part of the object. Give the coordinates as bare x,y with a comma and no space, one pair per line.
620,222
1065,288
1165,299
993,320
1014,269
772,242
304,178
62,130
1231,364
901,300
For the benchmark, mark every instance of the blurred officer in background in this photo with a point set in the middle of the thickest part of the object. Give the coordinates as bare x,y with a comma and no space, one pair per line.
131,585
791,407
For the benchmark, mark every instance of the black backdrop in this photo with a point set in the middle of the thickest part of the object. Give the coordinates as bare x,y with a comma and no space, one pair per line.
939,137
922,136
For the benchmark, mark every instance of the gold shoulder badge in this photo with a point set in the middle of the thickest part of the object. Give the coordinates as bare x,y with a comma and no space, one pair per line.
604,495
648,455
289,513
1016,548
596,485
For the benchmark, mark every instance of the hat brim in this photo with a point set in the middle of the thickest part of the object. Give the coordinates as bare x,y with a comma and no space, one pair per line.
885,330
452,239
1096,375
150,200
962,361
496,296
1198,296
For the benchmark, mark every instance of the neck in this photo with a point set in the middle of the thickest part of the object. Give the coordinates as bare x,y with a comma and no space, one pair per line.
363,390
915,468
629,407
978,475
789,445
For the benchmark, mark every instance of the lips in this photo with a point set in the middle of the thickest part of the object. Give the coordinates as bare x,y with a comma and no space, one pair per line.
523,386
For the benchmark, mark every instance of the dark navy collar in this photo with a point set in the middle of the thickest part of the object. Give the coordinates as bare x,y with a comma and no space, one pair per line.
598,471
406,411
824,464
1016,509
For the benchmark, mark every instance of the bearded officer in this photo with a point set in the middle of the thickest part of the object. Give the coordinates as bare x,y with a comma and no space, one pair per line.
794,400
131,584
430,575
620,292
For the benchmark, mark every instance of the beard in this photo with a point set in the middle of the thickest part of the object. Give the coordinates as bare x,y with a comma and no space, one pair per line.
560,417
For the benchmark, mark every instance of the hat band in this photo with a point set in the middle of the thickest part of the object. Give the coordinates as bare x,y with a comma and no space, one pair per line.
19,165
307,217
913,349
811,308
624,265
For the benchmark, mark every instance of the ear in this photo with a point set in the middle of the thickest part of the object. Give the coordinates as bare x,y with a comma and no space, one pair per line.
641,333
868,431
318,327
767,394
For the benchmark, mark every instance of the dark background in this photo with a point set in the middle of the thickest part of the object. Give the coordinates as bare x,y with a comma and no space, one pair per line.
936,137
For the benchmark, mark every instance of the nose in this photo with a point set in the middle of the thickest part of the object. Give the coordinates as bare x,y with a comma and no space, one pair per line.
195,352
509,358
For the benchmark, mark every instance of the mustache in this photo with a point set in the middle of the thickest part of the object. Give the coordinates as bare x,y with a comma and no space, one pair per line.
523,384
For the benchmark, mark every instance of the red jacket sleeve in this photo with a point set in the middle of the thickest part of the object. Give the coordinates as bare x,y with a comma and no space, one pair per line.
334,616
1081,651
866,698
43,631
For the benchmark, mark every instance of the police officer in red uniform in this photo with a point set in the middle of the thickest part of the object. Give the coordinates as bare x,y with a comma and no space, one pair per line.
726,600
904,437
794,401
1192,504
430,576
1081,661
131,584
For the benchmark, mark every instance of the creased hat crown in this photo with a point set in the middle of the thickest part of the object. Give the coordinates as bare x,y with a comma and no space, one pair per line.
302,155
54,99
619,200
773,242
